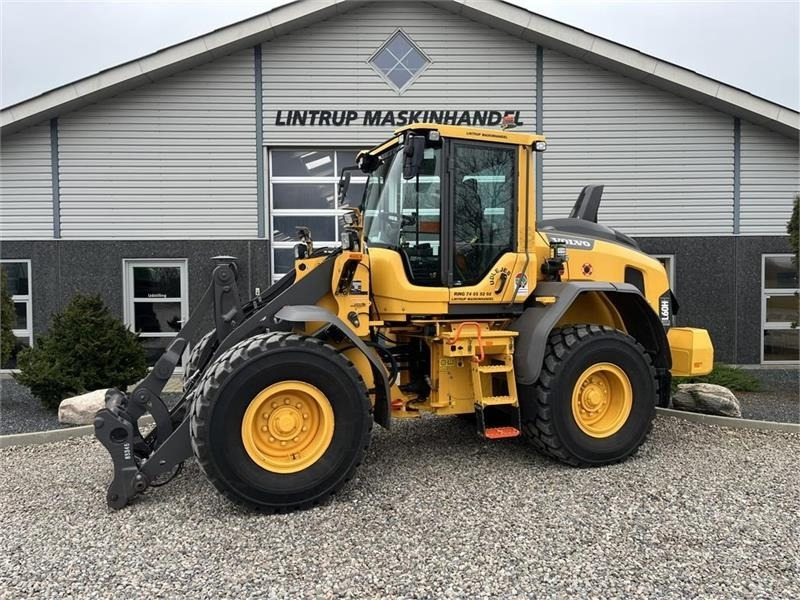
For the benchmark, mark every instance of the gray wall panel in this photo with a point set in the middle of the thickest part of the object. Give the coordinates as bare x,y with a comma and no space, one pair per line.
174,159
721,292
61,268
26,192
325,66
666,162
770,180
719,288
706,288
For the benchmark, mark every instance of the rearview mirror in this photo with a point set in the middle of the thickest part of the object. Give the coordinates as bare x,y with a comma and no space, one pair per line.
413,154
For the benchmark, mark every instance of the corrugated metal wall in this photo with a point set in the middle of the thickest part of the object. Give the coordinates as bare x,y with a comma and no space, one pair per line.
175,159
326,66
666,162
26,210
770,178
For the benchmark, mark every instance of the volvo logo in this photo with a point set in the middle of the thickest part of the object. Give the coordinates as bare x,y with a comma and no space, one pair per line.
576,243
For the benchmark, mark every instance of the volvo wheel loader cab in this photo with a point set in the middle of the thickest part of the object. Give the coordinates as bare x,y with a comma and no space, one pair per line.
445,297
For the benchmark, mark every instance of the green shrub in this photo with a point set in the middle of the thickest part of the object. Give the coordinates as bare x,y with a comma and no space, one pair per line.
86,349
733,378
8,317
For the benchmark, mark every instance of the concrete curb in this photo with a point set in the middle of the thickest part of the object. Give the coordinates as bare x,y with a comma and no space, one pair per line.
54,435
58,435
729,421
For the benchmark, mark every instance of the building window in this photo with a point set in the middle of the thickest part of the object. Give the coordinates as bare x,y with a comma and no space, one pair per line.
668,260
399,61
18,277
780,309
156,302
303,194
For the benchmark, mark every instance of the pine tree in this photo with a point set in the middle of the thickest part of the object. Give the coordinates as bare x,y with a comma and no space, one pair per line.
86,349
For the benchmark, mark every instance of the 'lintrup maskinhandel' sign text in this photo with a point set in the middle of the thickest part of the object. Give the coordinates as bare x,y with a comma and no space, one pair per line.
390,118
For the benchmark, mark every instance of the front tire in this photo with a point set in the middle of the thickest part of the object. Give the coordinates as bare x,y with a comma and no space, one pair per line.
193,364
280,422
595,399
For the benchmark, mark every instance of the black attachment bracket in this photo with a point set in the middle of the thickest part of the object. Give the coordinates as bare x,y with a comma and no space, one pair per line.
227,303
137,460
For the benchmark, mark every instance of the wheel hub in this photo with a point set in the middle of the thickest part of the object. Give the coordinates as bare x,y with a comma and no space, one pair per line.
287,427
602,400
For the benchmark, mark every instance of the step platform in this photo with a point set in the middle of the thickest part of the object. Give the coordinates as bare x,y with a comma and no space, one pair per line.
497,433
498,421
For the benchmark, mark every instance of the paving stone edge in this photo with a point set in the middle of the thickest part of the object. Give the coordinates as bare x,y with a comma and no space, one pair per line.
54,435
57,435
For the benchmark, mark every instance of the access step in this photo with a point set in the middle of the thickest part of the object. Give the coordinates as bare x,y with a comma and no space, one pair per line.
499,421
498,400
496,433
495,368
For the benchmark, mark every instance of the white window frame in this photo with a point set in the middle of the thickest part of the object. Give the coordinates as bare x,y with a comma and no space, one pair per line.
28,299
333,213
415,76
767,293
670,258
128,265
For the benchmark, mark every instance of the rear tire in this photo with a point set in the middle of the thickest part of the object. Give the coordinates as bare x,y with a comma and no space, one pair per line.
595,399
239,420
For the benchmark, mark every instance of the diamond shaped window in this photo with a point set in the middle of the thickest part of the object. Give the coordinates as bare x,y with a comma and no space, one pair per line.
399,61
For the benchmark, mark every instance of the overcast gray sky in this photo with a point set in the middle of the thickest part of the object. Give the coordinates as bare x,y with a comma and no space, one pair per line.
751,45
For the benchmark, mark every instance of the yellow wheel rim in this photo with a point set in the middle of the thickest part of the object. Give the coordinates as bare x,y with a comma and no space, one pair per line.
287,427
602,400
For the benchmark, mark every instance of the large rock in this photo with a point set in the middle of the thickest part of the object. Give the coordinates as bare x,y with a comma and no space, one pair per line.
80,410
706,398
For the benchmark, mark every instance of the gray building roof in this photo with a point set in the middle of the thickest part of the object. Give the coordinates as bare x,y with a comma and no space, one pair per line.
494,13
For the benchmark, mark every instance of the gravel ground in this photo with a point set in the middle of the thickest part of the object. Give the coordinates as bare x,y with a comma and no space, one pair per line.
778,401
21,412
699,512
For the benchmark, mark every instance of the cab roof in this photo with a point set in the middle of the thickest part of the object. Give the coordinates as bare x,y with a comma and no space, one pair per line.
506,136
503,136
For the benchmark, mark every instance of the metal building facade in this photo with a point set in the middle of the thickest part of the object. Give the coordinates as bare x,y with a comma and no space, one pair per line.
178,166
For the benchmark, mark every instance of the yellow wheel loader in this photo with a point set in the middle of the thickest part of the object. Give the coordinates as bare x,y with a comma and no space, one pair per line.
445,297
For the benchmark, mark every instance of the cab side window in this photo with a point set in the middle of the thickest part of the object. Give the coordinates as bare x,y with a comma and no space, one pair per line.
483,209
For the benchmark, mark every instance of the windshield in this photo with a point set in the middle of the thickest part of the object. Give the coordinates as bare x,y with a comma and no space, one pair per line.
402,213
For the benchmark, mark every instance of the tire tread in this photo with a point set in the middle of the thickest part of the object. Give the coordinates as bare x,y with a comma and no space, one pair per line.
560,345
225,367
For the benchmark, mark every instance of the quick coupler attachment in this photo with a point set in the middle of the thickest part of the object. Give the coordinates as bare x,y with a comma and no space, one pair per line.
118,432
139,462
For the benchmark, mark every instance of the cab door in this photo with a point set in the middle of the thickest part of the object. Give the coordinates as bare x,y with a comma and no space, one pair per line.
483,181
